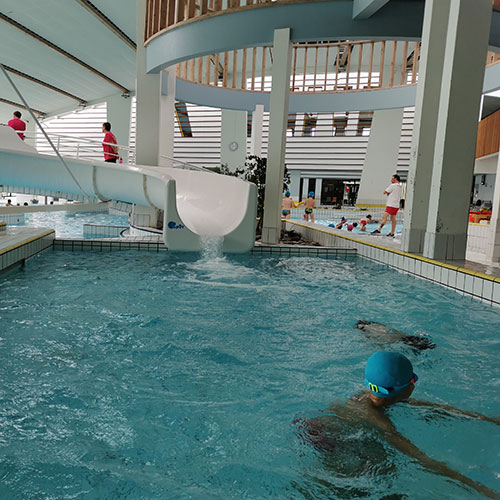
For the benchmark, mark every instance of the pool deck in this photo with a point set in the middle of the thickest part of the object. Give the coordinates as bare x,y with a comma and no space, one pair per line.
20,243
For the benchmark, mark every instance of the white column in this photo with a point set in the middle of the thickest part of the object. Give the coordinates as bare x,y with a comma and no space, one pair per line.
294,186
317,190
456,132
282,52
31,129
118,114
305,187
493,249
233,145
424,129
155,105
167,116
257,125
381,158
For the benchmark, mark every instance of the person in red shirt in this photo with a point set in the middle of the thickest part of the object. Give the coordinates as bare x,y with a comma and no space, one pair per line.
110,152
17,124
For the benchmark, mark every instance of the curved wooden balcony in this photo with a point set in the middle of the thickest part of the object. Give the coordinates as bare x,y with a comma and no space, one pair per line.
316,67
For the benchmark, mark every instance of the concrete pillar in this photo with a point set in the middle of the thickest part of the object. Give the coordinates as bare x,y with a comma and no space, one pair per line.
118,114
381,158
424,129
233,146
456,131
257,125
154,109
493,248
294,185
282,52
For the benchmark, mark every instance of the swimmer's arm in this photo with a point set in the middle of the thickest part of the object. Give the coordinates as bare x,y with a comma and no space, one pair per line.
394,438
456,411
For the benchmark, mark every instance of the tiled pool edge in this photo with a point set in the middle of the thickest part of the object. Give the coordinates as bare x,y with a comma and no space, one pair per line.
464,281
304,250
107,245
15,255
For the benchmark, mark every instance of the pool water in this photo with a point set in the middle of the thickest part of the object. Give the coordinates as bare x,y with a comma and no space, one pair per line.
70,224
138,375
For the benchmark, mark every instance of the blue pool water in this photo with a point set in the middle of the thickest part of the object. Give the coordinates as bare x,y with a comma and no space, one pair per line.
70,224
137,375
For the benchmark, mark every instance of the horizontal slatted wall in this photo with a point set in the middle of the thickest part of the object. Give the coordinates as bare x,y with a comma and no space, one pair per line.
405,142
84,123
322,151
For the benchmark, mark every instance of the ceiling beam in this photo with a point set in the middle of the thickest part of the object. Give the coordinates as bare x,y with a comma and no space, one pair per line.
22,106
44,84
69,56
363,9
107,22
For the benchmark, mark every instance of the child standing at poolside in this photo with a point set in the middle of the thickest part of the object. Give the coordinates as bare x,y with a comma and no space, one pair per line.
309,204
288,204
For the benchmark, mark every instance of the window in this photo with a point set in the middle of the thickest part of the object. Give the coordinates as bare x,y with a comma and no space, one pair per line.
310,121
340,124
364,123
183,119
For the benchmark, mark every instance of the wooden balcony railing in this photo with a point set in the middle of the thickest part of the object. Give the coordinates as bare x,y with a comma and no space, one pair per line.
324,67
163,14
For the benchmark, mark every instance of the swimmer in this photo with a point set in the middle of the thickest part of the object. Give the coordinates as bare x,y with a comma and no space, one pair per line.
288,204
309,205
350,227
367,220
342,222
384,334
390,380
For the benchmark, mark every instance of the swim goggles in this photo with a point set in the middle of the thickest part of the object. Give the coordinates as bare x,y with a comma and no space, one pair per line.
387,391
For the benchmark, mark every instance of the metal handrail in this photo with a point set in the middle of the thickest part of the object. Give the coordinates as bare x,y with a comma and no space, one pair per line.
131,151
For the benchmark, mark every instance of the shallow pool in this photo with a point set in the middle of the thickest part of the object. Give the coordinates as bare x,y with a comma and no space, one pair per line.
152,376
369,227
70,224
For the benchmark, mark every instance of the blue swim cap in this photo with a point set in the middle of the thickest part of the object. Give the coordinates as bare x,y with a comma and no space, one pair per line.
311,193
388,373
287,193
342,218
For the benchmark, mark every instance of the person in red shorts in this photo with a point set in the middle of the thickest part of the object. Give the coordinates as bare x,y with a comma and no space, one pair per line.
17,124
393,192
110,152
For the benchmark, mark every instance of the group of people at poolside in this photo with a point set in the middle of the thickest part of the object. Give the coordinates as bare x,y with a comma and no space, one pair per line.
393,193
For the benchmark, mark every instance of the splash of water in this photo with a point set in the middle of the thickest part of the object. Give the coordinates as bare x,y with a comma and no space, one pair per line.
211,247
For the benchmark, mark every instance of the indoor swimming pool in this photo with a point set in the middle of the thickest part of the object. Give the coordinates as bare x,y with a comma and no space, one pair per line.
137,375
70,224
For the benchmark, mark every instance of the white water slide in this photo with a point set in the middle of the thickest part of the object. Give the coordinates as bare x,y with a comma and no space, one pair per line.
197,204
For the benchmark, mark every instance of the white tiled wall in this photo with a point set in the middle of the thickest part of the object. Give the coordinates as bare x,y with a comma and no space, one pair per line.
478,236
